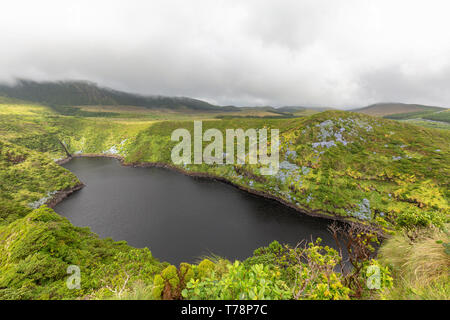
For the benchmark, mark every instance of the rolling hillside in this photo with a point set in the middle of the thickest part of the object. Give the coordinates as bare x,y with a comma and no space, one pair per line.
389,175
83,93
425,116
385,109
346,147
87,99
331,161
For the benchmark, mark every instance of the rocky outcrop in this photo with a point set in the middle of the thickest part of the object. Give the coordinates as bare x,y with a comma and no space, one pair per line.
62,194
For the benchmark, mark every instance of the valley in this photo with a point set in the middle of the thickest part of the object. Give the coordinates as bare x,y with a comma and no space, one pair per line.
387,176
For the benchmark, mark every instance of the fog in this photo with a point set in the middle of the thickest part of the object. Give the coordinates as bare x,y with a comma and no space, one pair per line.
301,52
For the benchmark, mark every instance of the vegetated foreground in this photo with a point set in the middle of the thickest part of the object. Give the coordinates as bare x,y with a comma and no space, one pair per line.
386,176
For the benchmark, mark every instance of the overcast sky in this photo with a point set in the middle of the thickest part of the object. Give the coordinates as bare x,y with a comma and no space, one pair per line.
340,53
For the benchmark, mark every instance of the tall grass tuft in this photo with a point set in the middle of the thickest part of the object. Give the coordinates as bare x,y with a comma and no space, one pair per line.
420,264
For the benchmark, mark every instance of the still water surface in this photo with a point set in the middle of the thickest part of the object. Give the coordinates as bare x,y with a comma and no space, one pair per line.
180,218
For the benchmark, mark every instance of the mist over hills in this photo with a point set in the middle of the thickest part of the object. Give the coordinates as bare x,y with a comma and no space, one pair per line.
80,93
83,93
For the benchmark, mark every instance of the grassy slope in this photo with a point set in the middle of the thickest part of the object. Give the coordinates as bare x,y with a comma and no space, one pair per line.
434,115
443,116
429,124
385,109
402,171
39,128
73,93
35,252
37,246
420,263
27,177
426,116
436,120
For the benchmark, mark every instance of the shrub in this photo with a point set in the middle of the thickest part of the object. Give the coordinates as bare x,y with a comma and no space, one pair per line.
415,217
316,278
169,284
239,282
205,268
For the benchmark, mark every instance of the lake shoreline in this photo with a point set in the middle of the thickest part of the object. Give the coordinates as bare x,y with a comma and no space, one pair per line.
61,195
313,213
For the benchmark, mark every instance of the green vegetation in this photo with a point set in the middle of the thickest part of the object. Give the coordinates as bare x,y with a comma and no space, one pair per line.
387,175
239,283
281,272
428,124
409,115
440,116
387,109
420,260
443,116
84,93
426,116
36,250
28,179
335,163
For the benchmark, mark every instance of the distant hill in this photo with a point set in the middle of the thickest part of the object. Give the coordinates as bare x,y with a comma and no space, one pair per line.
386,109
291,109
295,109
84,93
8,100
288,109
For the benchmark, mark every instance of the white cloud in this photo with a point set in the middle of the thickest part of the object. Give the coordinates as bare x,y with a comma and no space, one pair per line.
314,52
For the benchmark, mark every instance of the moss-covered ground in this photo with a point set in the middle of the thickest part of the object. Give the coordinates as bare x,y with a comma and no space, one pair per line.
384,173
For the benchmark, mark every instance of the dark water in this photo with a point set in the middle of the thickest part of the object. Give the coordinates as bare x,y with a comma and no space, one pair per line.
180,218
